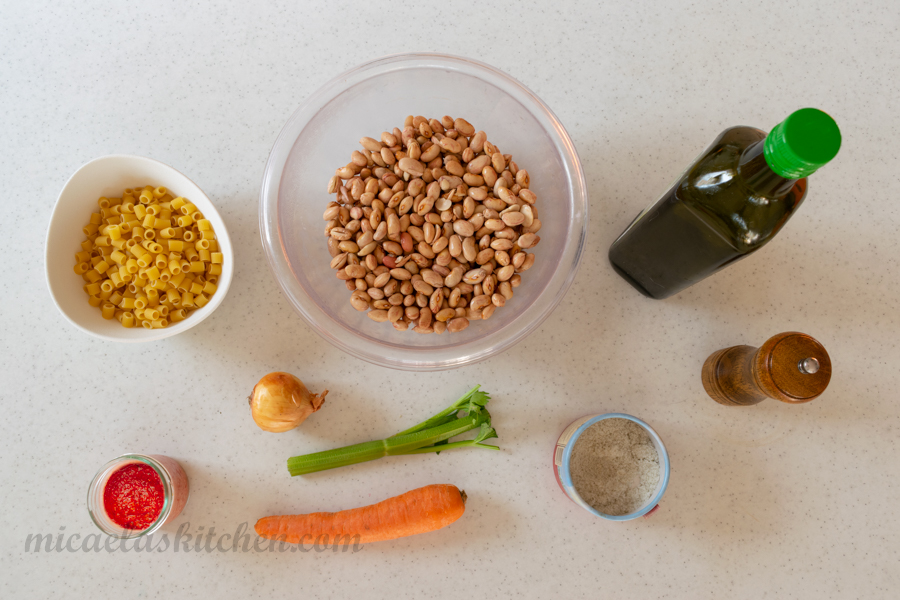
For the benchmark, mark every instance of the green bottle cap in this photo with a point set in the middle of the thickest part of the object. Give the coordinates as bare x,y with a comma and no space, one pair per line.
802,143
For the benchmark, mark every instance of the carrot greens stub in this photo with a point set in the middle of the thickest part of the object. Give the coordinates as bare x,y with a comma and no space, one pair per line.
431,435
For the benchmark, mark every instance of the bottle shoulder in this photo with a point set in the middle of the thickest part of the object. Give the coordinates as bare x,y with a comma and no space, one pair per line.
742,135
714,189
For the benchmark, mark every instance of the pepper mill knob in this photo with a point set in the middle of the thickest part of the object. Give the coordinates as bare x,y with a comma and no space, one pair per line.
791,367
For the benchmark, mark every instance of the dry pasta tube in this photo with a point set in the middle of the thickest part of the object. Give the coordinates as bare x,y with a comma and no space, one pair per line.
108,310
144,258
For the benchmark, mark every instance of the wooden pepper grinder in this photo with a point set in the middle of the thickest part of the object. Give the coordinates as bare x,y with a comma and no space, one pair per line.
791,367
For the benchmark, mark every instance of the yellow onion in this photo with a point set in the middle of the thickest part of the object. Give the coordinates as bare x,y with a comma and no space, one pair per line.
280,402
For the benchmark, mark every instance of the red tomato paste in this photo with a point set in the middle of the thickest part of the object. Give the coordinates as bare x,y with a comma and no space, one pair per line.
134,496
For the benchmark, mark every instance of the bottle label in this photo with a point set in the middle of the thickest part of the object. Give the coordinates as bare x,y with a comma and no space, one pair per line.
566,436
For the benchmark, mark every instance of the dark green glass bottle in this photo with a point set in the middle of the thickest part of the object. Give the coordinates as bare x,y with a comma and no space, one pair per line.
732,200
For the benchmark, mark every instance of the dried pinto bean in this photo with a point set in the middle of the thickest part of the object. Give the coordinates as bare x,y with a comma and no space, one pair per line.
430,220
379,316
457,324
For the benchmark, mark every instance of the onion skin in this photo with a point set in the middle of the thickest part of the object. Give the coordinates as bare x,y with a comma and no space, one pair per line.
279,402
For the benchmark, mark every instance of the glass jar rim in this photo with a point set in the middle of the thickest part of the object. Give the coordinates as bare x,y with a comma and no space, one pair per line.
102,477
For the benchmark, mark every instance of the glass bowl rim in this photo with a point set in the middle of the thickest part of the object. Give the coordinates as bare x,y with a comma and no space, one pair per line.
402,358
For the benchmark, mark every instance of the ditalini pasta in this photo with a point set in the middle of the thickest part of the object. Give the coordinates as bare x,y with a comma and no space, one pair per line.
149,258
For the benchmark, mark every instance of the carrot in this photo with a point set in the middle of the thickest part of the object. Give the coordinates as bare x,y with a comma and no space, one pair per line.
418,511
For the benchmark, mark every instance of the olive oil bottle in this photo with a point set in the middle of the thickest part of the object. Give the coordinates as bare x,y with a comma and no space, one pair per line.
732,200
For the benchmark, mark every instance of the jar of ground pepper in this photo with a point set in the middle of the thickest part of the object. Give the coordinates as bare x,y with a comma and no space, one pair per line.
611,461
136,494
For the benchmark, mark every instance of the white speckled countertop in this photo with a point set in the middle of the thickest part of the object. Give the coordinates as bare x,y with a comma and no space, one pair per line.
776,501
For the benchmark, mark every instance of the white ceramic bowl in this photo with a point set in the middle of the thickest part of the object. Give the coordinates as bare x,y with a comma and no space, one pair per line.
108,176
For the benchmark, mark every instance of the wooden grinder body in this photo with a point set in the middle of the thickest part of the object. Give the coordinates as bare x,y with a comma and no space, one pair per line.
745,375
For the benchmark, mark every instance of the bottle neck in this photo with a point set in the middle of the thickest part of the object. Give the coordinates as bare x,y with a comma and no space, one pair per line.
760,177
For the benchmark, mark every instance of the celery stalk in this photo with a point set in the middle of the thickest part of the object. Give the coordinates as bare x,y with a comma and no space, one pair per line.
487,432
431,435
473,400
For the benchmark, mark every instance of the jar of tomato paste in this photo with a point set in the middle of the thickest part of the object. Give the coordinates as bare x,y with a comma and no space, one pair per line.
136,494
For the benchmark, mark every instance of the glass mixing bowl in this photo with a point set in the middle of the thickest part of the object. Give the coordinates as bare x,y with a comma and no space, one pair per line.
377,96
